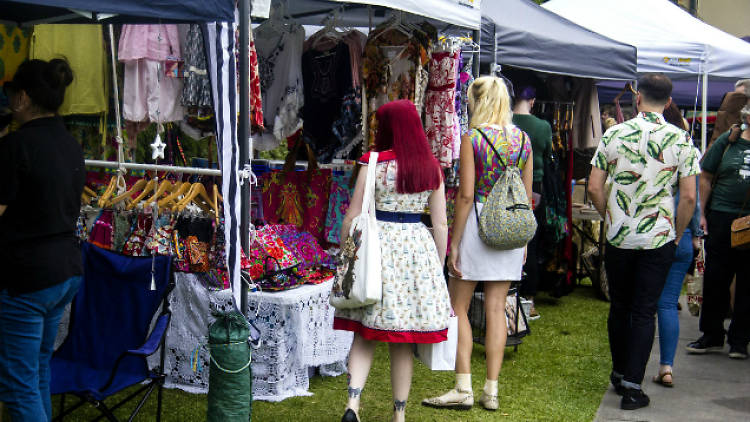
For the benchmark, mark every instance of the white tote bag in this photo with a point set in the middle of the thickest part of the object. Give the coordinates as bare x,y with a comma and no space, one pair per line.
358,279
441,356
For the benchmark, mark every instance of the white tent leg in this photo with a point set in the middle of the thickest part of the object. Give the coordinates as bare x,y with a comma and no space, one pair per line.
704,112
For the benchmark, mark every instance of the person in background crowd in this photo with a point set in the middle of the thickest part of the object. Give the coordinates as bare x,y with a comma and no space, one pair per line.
643,232
725,196
42,169
540,133
668,319
415,306
470,260
608,112
729,111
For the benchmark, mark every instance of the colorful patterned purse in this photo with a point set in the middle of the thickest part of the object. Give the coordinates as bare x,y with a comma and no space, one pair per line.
198,253
278,280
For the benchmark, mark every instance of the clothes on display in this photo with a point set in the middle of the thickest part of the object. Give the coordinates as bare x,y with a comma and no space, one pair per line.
83,47
279,47
440,119
14,49
148,94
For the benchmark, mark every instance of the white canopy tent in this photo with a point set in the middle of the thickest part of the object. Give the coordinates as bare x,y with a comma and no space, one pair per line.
460,13
668,39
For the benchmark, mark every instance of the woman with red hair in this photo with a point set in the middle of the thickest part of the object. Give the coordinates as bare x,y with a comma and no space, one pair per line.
415,306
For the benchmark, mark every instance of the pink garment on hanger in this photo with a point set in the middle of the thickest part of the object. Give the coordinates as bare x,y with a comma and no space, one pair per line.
154,42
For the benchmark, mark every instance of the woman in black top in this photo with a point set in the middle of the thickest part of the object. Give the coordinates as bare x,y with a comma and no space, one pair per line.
41,179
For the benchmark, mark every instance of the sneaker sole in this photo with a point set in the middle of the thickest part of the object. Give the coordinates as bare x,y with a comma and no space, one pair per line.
534,318
633,406
449,406
713,349
738,356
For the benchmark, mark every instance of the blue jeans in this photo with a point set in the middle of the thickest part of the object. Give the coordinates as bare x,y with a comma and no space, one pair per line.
669,323
28,327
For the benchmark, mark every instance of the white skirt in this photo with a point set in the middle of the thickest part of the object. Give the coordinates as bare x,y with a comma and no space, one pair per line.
479,262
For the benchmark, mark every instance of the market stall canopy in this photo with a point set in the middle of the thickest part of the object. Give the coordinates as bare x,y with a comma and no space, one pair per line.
668,39
122,11
522,34
356,13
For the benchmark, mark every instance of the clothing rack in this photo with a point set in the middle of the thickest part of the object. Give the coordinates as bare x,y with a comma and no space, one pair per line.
155,167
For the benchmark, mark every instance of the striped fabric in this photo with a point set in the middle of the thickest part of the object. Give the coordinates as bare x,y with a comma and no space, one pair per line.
219,41
488,168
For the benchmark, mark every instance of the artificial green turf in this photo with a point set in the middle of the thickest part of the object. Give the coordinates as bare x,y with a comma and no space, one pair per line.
559,373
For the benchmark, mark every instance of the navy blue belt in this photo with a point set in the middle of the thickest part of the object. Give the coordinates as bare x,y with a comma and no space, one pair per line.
398,217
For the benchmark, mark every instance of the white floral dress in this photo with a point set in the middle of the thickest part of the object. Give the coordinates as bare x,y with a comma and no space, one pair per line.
415,306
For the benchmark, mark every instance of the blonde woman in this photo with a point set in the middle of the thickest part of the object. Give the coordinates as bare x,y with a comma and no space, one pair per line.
470,260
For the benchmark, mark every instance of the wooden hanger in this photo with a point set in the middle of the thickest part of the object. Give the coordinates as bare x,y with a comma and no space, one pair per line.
108,192
173,198
88,191
217,200
146,190
199,196
625,89
164,186
137,187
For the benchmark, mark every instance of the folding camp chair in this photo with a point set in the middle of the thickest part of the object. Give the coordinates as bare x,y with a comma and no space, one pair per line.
109,340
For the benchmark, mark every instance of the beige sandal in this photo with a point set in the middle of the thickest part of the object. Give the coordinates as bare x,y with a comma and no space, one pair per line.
659,379
453,399
489,402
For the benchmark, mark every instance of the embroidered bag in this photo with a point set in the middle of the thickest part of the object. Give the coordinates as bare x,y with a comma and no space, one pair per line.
506,221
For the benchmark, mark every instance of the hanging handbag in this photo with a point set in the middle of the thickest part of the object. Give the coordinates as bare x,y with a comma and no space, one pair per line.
358,280
740,229
695,284
506,221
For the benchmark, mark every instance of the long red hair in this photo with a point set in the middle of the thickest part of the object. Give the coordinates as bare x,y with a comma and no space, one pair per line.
400,129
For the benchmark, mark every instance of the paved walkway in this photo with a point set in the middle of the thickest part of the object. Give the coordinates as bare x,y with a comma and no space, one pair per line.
707,388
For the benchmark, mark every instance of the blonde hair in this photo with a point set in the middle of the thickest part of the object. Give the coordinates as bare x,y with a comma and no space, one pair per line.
489,102
745,113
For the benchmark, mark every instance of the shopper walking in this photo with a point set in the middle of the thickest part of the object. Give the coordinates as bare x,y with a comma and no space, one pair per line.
725,196
42,169
647,160
415,306
470,260
667,312
540,133
729,111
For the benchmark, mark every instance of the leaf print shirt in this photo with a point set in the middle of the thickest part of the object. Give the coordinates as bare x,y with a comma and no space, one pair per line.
645,158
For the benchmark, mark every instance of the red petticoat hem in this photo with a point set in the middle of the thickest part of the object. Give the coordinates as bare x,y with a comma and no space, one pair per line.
390,336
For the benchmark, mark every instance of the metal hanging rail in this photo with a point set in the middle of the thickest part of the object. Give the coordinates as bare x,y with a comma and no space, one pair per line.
155,167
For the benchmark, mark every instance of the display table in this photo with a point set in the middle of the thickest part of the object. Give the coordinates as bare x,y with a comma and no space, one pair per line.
296,335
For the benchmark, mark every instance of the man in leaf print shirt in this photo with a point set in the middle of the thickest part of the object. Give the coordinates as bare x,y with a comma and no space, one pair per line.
646,160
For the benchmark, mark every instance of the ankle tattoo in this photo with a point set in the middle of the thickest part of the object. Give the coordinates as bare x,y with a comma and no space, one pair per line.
354,392
399,405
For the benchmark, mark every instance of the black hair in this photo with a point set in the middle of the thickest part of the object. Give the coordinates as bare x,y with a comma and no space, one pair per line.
44,82
655,87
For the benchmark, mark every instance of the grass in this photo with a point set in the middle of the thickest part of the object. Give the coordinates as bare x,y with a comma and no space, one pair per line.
559,373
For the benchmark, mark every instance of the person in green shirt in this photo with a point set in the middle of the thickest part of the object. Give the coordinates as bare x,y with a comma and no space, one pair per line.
540,133
724,194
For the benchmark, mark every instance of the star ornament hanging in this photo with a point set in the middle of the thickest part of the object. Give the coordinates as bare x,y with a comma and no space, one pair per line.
157,148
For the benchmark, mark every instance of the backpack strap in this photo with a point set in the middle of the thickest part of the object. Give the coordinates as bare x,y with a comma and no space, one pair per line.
499,157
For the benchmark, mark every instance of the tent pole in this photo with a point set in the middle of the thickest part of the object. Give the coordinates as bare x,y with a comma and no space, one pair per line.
243,129
704,111
477,36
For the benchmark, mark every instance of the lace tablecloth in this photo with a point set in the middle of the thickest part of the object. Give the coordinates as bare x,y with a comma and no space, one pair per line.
296,334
